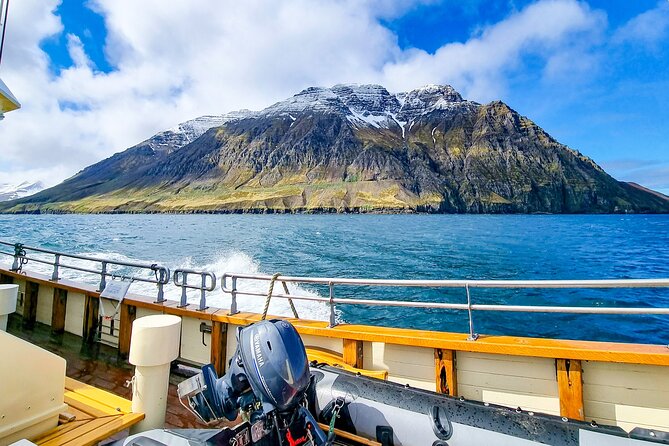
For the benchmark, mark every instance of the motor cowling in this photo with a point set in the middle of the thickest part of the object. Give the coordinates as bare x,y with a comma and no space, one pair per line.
266,381
276,365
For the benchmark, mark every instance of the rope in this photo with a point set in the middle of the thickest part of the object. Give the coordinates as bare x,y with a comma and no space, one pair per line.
270,291
290,301
269,295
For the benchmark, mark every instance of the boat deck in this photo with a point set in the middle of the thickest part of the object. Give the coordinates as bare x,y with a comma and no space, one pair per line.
97,394
99,366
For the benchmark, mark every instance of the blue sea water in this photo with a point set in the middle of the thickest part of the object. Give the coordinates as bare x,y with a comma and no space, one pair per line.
396,247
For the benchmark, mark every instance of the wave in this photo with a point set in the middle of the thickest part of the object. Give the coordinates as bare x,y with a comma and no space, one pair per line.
234,261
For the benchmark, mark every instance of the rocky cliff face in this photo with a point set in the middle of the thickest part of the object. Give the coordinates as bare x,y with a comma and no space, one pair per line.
350,148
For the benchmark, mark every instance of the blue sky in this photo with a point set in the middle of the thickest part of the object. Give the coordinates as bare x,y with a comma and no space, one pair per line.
110,73
617,114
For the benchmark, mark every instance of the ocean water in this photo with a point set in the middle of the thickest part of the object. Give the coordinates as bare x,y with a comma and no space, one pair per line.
393,247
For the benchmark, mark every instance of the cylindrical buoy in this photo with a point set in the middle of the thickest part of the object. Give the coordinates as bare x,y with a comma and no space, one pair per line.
153,346
8,296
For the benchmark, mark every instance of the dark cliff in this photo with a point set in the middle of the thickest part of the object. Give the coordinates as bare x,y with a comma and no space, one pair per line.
349,149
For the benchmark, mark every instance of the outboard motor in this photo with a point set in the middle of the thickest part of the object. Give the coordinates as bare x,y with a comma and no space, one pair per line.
266,384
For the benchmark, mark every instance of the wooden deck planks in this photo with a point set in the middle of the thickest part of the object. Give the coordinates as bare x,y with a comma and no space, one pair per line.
93,431
100,415
115,403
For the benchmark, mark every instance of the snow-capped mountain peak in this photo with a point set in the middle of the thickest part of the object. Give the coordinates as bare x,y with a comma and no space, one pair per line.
369,105
14,191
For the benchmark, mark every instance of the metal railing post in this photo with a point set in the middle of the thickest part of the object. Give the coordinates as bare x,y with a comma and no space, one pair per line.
161,293
56,264
233,302
472,335
184,302
18,253
333,321
103,277
203,298
161,286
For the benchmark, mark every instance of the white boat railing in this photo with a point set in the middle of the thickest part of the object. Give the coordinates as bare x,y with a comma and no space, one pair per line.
94,265
229,281
180,279
229,286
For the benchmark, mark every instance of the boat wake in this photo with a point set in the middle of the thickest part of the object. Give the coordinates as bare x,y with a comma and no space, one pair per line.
234,261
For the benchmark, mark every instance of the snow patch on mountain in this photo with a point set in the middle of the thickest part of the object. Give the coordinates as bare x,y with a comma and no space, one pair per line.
312,99
368,119
370,105
187,132
14,191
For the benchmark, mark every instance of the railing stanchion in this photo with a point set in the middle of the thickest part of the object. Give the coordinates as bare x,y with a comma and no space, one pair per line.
19,252
56,264
233,302
472,335
103,277
161,293
333,320
163,277
203,298
184,281
160,284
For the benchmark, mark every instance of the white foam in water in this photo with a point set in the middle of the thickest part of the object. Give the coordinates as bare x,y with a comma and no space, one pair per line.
236,261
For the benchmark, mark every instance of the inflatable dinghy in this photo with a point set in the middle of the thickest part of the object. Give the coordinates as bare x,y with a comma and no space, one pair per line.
394,414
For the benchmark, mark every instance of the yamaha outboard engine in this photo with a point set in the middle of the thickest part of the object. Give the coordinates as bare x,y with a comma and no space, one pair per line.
266,384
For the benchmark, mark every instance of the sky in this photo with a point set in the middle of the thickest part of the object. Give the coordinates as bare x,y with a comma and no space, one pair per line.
97,76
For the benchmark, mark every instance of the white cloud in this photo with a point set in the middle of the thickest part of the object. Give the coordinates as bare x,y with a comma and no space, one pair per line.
647,28
478,67
76,50
204,56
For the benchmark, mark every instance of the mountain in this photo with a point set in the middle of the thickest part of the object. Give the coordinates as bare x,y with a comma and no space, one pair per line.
350,148
12,191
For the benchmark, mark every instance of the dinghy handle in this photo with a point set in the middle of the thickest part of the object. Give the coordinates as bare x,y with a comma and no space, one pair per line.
441,425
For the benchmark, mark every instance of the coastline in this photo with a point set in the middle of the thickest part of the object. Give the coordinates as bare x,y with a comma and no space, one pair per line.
298,211
315,212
